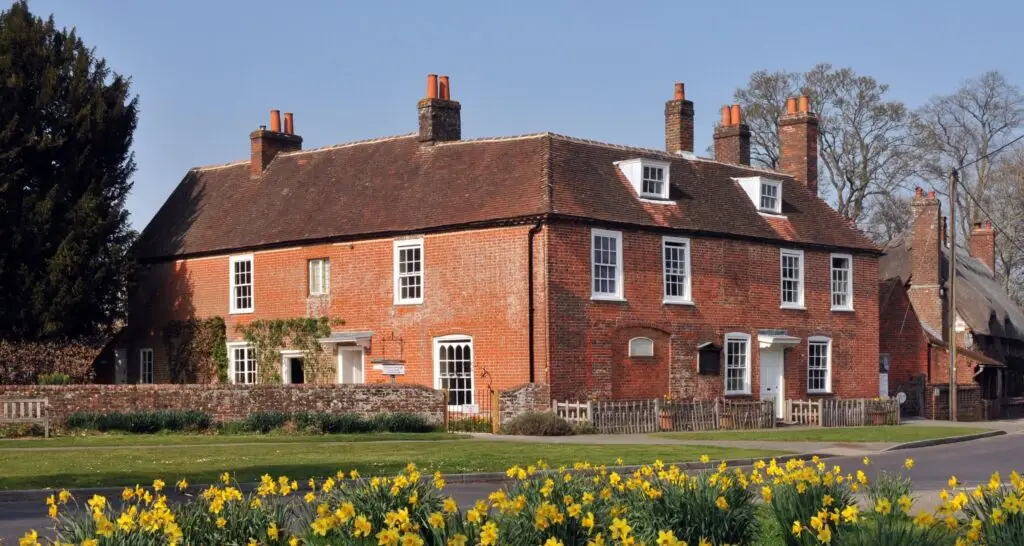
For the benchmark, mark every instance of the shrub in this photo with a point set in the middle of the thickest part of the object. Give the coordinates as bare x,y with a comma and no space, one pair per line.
21,362
141,422
537,424
53,379
401,422
265,421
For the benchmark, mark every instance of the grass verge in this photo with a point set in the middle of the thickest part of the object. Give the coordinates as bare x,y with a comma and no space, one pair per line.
885,434
117,467
180,439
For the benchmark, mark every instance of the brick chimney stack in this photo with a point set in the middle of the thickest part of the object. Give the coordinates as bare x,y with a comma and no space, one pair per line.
983,244
798,142
440,116
926,275
732,137
264,144
679,122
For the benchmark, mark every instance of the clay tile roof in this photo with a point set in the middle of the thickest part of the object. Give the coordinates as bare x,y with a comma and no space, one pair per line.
397,185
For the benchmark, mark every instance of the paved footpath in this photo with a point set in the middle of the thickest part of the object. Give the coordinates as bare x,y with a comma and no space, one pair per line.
972,462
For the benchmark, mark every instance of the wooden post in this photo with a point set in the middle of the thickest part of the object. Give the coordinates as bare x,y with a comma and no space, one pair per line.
495,411
447,423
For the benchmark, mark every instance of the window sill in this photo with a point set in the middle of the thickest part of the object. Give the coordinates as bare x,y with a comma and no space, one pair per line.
678,302
409,302
738,395
792,307
842,309
771,214
655,199
241,311
819,393
614,299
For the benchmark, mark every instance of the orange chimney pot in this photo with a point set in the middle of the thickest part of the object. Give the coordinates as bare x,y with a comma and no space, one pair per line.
289,123
736,115
680,91
918,192
725,116
275,121
791,105
444,91
931,194
431,86
805,104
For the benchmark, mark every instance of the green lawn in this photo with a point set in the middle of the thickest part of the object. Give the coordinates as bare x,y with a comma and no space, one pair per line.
121,440
887,434
65,467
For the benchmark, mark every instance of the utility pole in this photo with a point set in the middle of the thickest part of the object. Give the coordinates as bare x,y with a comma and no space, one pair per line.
954,179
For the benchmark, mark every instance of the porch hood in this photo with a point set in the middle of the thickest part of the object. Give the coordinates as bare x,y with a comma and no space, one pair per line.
361,338
777,341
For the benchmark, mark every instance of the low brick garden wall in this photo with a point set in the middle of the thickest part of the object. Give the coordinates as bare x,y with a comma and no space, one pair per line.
524,398
234,402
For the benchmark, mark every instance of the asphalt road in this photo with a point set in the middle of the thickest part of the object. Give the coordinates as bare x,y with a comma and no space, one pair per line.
971,462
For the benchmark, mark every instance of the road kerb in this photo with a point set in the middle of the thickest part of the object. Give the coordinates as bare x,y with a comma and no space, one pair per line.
949,440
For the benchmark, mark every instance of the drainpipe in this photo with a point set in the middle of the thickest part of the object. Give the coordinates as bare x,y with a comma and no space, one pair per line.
529,289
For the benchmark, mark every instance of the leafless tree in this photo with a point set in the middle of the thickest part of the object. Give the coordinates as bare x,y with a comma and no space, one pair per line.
1006,205
952,131
864,147
890,216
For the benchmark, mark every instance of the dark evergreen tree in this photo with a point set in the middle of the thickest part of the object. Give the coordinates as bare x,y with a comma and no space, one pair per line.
66,125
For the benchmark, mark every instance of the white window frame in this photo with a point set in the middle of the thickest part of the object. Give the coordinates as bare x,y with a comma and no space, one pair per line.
233,364
324,279
737,337
820,340
687,297
399,245
232,296
799,254
146,357
619,289
849,282
456,338
663,193
633,353
777,209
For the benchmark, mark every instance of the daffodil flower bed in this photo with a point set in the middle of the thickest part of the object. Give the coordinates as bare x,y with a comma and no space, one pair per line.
656,505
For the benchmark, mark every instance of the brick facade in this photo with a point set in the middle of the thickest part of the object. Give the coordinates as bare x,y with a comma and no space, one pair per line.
234,402
735,289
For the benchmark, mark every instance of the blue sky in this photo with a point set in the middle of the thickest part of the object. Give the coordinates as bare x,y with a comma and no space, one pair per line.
208,72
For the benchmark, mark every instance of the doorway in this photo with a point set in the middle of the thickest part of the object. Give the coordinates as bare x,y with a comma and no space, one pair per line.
297,374
350,365
773,386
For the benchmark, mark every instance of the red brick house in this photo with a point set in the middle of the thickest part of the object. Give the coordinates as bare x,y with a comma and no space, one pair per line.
603,270
915,314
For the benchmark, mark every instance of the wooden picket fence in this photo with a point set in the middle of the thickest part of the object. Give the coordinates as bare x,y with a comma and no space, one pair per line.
643,416
843,413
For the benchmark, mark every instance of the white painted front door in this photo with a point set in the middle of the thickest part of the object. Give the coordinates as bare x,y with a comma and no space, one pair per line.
350,365
883,385
772,381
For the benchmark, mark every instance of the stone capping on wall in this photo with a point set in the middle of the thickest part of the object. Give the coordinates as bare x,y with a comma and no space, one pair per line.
227,402
524,398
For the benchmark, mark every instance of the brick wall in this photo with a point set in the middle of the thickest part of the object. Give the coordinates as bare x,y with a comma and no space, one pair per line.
735,289
233,402
523,399
969,403
475,285
901,336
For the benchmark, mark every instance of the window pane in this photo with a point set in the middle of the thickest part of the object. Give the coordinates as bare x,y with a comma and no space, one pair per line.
675,269
841,282
605,265
410,276
791,288
455,371
817,366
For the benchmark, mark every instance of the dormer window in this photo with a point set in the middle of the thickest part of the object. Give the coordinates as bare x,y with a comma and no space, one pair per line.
649,177
770,197
764,193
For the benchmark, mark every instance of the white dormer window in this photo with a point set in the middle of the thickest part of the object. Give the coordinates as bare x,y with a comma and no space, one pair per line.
770,197
649,177
764,193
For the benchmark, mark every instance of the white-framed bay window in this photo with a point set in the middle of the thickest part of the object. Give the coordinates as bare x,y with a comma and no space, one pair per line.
242,363
606,264
841,270
408,280
146,372
792,277
819,365
675,260
241,278
737,363
453,369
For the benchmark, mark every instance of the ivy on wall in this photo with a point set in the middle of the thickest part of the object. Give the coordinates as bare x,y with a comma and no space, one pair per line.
269,336
197,350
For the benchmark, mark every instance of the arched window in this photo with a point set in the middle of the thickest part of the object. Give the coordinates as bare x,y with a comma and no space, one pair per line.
453,368
641,346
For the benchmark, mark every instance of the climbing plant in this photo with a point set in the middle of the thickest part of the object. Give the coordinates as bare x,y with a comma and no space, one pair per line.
269,336
197,350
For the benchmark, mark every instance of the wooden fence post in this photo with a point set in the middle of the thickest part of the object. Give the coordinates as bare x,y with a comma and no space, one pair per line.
495,411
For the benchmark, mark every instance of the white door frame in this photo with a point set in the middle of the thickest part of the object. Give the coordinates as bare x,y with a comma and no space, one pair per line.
362,361
286,364
120,366
778,355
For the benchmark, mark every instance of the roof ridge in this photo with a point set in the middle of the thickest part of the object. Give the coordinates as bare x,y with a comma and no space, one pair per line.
349,144
492,139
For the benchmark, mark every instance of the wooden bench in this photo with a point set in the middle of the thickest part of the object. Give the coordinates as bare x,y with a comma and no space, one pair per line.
35,411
